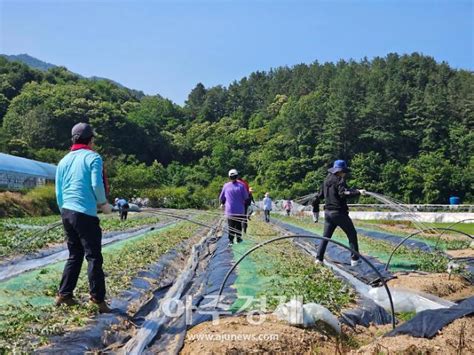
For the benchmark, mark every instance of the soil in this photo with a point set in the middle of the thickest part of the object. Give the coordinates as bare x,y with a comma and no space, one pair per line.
461,253
440,285
234,335
455,338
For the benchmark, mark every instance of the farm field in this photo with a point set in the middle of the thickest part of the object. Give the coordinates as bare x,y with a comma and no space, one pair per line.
261,283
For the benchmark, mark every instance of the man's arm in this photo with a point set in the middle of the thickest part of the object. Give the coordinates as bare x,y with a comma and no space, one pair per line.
98,181
59,188
345,191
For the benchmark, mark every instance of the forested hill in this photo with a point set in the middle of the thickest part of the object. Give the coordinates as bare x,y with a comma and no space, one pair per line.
36,63
404,123
32,62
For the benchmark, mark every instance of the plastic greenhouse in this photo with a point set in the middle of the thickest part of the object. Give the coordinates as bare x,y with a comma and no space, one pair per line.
18,173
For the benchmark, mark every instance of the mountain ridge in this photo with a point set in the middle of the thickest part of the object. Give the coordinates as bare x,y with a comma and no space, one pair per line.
38,64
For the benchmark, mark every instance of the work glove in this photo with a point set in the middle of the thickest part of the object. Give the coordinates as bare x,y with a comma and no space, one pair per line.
363,192
106,208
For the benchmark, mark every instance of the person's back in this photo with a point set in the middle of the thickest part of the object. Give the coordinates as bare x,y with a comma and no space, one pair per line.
235,197
267,207
122,203
79,183
335,191
80,190
267,203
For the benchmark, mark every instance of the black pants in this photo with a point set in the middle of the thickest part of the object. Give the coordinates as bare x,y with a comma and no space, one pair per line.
334,219
123,214
288,212
84,237
267,215
235,228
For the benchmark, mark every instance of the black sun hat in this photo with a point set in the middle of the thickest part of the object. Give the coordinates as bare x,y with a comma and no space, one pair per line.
82,130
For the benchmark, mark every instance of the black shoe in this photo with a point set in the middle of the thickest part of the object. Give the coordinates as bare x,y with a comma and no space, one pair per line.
231,243
69,301
103,306
239,240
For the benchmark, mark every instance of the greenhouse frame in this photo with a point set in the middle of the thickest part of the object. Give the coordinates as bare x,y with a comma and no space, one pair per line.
18,173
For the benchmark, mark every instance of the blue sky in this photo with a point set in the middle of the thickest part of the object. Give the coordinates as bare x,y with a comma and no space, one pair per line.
167,47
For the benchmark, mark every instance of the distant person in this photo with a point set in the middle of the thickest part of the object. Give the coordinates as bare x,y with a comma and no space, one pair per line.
336,213
267,207
123,207
80,190
234,197
247,204
288,205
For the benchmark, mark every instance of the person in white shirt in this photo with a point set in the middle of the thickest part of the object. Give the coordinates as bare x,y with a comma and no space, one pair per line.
267,206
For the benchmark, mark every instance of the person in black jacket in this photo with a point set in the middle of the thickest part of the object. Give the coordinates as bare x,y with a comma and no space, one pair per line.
334,191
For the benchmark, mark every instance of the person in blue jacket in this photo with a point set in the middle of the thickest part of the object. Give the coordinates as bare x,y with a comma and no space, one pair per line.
123,207
80,191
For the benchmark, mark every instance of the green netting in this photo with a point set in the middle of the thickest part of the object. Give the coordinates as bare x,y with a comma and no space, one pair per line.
249,280
367,246
37,287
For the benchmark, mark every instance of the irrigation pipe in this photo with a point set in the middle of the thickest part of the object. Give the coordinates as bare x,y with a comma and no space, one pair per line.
392,309
38,234
225,228
181,218
416,233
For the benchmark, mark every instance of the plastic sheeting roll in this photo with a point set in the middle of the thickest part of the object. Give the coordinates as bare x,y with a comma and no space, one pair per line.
306,315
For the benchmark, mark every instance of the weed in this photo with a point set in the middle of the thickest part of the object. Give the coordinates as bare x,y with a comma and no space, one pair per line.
290,273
